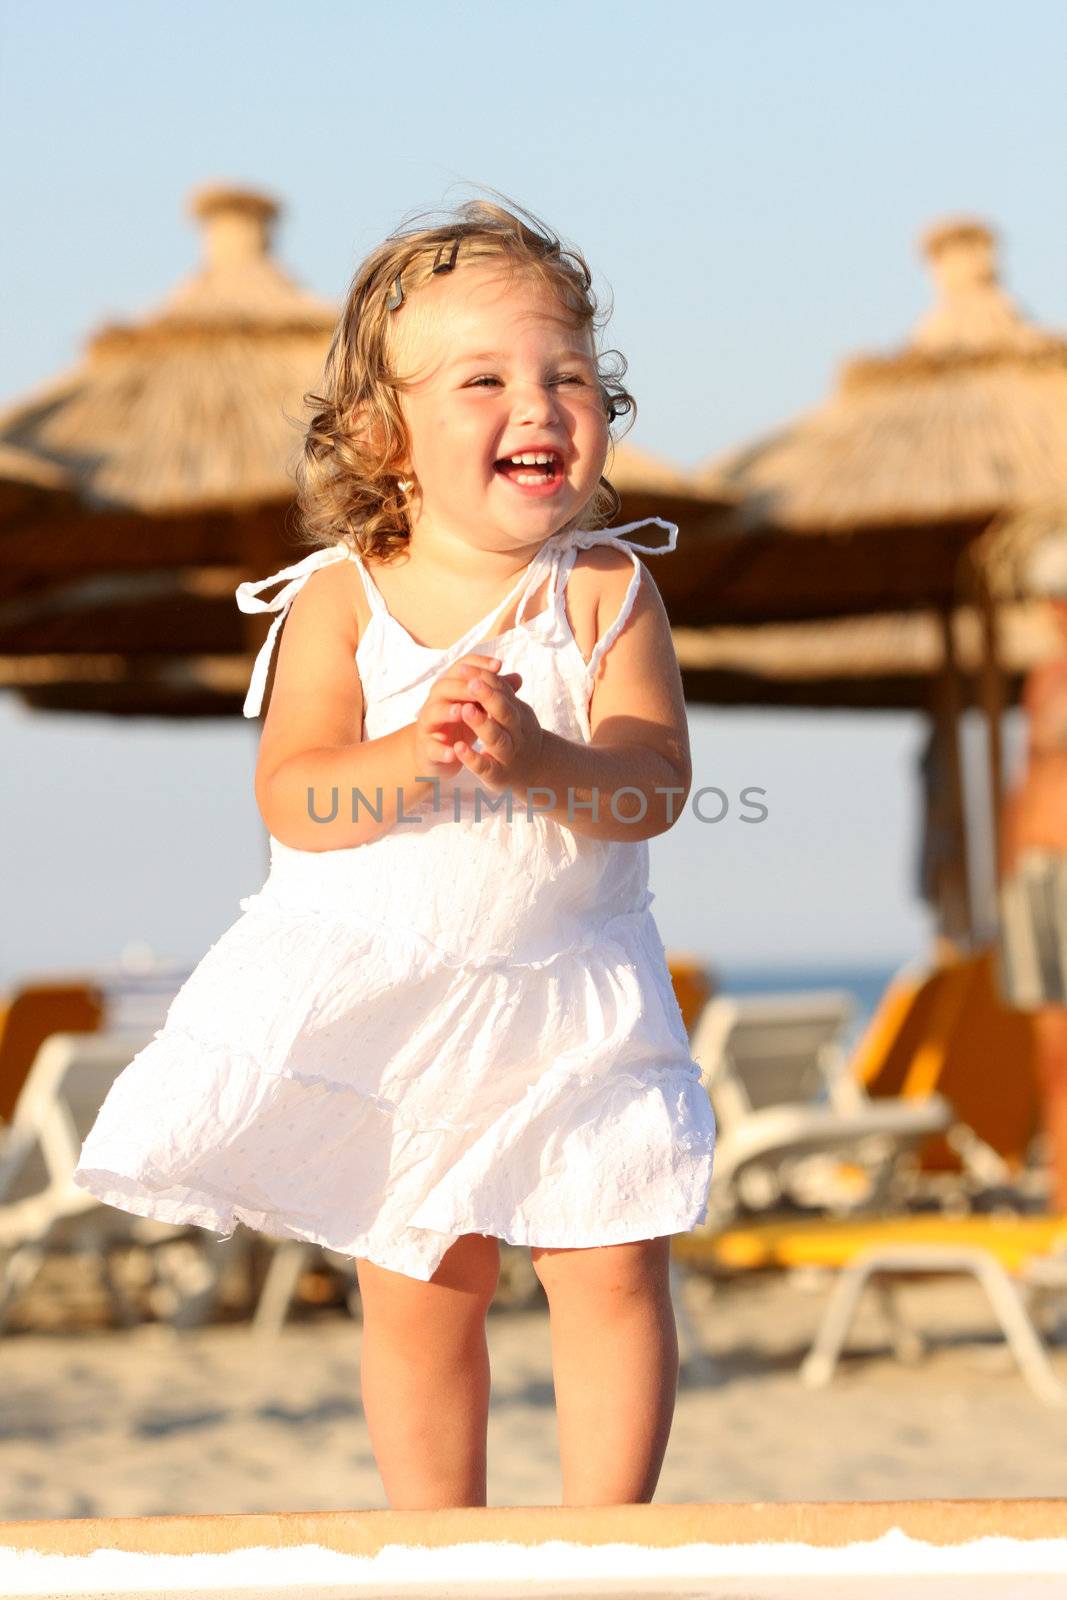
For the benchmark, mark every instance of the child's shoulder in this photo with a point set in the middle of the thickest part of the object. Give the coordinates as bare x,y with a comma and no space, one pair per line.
601,578
330,584
331,597
602,558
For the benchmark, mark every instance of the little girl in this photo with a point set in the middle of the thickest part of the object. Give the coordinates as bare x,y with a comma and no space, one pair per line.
446,1018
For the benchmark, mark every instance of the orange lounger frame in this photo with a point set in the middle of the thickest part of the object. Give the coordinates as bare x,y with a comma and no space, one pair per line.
950,1032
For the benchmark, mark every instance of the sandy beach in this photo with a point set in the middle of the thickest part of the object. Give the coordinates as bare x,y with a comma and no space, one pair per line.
98,1421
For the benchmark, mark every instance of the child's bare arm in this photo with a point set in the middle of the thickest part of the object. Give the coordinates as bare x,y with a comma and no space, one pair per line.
312,735
640,737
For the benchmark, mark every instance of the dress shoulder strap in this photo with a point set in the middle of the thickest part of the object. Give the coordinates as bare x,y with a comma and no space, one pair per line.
585,538
247,595
375,601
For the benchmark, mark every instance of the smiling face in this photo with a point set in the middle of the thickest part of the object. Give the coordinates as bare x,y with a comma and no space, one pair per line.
495,369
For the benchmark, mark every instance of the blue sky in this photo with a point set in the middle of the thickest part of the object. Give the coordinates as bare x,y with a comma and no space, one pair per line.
747,182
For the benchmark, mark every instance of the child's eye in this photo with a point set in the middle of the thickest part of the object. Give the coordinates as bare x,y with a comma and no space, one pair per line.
485,378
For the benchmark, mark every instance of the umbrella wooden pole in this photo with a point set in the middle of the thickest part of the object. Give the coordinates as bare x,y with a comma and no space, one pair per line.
992,692
955,929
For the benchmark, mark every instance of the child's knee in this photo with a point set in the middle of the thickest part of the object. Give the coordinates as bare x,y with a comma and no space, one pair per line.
464,1283
472,1267
622,1272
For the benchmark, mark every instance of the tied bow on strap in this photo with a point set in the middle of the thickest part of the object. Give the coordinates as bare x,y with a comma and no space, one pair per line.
585,538
247,600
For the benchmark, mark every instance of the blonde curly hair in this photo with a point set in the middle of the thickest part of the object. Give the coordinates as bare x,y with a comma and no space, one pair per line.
350,485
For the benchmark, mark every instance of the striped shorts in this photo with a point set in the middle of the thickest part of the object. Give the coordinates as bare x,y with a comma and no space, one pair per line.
1031,954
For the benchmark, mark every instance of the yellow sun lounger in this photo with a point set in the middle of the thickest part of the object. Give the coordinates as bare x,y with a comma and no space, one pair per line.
1014,1258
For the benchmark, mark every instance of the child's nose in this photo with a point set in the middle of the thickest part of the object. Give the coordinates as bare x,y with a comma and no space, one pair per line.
535,402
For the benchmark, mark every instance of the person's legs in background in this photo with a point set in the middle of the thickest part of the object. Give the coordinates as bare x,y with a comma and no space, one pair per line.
1050,1033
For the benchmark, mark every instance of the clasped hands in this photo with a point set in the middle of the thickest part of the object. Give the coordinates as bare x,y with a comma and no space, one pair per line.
474,700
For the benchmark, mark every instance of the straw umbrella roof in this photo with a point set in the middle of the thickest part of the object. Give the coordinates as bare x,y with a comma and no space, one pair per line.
885,662
188,407
915,450
31,489
636,471
20,470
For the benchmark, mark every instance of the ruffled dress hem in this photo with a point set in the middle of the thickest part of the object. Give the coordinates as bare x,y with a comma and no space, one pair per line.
198,1209
448,1177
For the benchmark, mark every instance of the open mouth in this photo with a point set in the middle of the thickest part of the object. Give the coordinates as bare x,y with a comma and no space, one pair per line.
532,469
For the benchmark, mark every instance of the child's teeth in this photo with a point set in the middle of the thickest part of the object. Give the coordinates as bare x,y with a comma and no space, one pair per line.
543,459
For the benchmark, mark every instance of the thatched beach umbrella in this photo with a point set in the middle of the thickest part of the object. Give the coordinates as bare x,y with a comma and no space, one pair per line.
188,410
882,487
176,432
869,503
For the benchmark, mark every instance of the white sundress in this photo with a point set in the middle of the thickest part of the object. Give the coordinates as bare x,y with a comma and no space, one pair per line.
466,1025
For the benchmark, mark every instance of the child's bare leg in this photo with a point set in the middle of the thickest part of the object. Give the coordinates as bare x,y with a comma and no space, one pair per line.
424,1372
615,1367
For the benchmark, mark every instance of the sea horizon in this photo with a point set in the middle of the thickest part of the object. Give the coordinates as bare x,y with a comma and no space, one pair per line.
865,981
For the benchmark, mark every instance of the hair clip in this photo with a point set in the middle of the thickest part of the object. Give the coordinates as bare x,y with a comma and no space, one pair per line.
396,295
446,266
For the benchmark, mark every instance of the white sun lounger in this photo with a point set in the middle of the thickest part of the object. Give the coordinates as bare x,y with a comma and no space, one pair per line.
790,1114
43,1211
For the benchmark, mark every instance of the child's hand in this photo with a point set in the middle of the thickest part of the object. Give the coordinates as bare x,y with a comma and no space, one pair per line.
506,725
439,724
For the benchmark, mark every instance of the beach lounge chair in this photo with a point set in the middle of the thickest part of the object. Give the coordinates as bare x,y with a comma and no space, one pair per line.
795,1127
28,1015
42,1210
948,1031
290,1258
1020,1261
